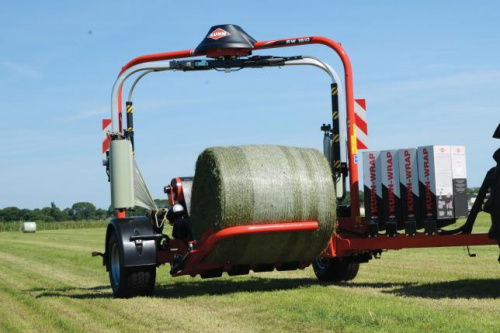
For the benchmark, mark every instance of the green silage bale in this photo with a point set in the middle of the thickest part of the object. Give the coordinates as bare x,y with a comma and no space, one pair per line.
262,184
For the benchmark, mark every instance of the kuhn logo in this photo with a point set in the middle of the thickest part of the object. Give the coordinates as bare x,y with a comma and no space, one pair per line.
218,33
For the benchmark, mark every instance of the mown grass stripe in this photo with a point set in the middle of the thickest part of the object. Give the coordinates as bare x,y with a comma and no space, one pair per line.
61,272
64,259
58,289
58,296
406,291
42,318
46,245
11,318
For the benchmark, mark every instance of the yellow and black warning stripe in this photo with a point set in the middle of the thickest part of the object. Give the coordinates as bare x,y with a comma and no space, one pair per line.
130,107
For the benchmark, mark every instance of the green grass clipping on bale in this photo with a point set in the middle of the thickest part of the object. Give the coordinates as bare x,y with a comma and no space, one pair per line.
262,184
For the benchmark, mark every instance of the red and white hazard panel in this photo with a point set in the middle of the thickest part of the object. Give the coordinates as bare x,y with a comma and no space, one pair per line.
361,123
106,139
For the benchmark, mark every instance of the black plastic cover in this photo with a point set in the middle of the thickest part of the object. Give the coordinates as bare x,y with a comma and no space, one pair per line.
226,36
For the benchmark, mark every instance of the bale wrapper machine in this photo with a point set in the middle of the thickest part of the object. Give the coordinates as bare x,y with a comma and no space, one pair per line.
137,245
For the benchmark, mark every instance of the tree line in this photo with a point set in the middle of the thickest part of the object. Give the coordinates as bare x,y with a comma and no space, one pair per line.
80,211
77,212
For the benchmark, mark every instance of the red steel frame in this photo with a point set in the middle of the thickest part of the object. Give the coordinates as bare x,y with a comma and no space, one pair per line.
341,244
351,136
193,259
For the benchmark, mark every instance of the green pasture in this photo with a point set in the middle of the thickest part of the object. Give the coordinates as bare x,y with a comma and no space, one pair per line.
49,282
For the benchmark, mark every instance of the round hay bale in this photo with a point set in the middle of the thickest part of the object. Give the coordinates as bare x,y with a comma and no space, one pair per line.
29,227
258,184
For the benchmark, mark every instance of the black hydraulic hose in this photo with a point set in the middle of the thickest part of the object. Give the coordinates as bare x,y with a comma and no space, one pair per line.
335,148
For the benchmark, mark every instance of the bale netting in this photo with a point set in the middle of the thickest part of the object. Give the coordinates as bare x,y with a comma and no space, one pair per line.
261,184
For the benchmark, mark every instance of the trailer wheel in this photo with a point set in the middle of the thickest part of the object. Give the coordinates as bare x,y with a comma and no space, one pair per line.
128,282
335,269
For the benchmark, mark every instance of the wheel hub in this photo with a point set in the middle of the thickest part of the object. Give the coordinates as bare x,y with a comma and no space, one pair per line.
115,264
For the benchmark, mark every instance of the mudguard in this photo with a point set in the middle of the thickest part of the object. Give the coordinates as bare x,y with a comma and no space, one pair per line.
133,254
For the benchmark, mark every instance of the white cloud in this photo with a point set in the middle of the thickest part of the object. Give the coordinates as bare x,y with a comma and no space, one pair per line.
102,112
25,143
19,69
433,85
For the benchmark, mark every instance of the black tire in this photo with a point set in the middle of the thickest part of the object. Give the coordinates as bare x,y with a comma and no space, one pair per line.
128,282
335,269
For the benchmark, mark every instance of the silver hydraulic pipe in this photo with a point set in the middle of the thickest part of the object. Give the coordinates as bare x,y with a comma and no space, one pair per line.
312,61
341,107
135,83
149,67
165,65
154,65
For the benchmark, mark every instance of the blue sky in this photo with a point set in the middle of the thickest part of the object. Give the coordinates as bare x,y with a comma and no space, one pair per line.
430,72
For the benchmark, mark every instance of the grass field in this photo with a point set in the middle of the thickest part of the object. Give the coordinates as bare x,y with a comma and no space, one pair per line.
49,282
